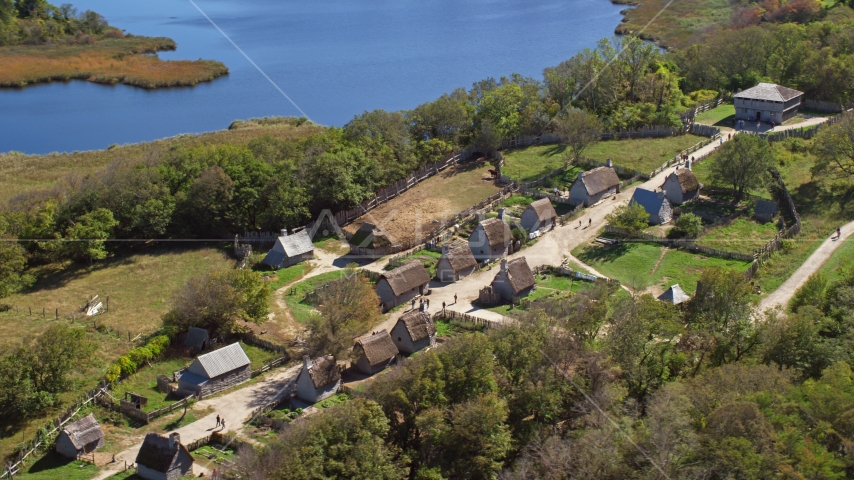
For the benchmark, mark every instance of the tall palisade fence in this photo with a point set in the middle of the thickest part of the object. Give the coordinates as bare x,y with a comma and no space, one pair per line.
776,243
688,116
806,132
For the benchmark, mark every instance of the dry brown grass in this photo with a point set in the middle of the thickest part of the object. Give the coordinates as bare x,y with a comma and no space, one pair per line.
115,60
678,23
23,173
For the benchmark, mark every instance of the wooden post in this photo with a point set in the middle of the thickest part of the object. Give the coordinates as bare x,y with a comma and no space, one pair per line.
57,314
108,303
30,310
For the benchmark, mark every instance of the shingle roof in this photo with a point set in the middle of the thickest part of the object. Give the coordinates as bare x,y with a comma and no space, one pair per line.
649,200
196,337
674,295
223,360
460,257
289,246
377,348
323,371
519,275
156,454
543,208
497,231
418,324
764,207
84,431
599,180
769,91
406,277
687,180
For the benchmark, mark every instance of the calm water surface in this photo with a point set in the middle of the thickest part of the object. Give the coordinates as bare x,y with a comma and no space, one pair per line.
334,58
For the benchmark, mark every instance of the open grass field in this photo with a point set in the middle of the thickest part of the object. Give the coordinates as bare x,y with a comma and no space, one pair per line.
840,262
641,265
293,297
421,208
721,116
130,60
24,173
742,235
643,154
675,22
140,287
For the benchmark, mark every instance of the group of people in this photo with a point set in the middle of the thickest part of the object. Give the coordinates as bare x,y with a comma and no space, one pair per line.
220,422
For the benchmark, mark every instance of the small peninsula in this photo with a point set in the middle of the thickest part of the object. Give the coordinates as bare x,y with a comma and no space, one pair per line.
40,42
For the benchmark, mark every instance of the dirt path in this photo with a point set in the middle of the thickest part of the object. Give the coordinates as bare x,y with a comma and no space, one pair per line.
781,296
235,407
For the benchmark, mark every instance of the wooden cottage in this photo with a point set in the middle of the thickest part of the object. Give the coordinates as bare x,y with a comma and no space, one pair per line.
457,262
764,211
681,186
79,438
290,250
162,458
491,239
370,236
514,281
402,284
674,295
413,331
319,379
655,204
539,216
215,371
197,338
767,102
374,352
594,185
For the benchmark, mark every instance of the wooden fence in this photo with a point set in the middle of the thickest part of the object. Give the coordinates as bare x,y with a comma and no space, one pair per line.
686,244
451,315
652,131
251,339
687,117
776,243
827,107
270,365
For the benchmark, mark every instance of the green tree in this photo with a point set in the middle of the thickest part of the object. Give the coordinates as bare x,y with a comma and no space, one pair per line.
743,163
218,300
13,263
578,130
833,148
86,236
633,218
468,367
795,341
811,293
689,225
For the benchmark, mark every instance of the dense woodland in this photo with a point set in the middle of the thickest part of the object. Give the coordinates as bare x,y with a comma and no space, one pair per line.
36,22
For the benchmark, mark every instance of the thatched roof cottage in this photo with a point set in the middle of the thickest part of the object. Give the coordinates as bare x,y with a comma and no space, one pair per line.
515,280
162,458
594,185
413,331
402,284
457,262
539,215
491,238
681,186
319,378
374,352
81,437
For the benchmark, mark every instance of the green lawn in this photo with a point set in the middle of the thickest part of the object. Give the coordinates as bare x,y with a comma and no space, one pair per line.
300,309
639,265
840,262
644,154
742,235
721,116
54,466
332,244
287,275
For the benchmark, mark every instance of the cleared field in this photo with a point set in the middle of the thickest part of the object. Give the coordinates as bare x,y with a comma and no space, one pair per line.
421,208
21,173
650,266
643,154
742,235
140,287
721,116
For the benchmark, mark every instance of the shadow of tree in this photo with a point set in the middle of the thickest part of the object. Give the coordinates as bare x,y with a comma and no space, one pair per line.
605,254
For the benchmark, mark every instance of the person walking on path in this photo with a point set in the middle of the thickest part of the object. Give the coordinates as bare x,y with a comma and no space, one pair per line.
443,306
589,222
838,232
413,304
455,299
222,422
217,421
579,224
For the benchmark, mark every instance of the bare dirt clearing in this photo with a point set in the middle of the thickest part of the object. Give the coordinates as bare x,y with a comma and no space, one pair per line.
421,208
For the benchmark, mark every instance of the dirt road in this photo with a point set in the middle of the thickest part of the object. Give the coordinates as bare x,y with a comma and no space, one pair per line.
235,407
781,296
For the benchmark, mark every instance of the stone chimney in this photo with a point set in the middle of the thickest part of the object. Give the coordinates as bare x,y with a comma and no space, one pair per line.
504,265
306,362
501,214
660,193
174,440
446,248
284,232
608,163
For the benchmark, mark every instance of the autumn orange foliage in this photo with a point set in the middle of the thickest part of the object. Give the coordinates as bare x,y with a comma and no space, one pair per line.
128,60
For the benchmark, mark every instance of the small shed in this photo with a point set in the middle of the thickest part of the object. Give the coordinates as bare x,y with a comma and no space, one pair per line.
514,281
681,186
319,378
370,236
216,371
594,185
764,211
162,458
79,438
457,262
674,295
413,331
374,352
539,216
655,204
767,102
197,338
290,249
402,284
491,239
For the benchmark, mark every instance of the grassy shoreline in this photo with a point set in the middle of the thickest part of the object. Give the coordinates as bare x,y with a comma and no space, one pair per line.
131,60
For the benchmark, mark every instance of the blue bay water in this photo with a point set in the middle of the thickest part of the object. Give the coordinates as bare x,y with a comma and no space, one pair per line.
334,58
